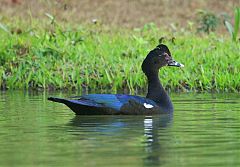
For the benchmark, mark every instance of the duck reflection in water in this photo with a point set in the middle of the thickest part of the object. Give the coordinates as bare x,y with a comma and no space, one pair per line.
124,128
152,130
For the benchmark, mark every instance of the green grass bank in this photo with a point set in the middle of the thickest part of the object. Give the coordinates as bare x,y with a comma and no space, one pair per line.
100,58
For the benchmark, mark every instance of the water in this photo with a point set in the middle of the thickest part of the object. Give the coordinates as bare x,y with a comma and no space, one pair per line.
203,131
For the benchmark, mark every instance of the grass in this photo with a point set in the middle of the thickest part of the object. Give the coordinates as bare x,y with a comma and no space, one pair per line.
234,31
100,58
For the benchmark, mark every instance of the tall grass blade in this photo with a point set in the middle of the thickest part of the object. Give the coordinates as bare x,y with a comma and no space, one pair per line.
51,17
4,28
236,24
229,28
108,77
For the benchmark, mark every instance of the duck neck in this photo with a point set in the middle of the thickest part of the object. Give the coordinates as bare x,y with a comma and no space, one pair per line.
157,93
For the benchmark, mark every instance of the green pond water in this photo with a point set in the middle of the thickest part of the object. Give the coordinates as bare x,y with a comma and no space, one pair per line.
203,131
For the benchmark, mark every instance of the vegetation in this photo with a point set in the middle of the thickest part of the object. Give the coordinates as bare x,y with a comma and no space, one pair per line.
207,21
234,31
99,58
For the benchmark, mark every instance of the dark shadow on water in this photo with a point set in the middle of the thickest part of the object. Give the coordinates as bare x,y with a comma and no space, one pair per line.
149,126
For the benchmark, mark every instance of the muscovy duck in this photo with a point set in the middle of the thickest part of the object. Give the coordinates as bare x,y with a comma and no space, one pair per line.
157,100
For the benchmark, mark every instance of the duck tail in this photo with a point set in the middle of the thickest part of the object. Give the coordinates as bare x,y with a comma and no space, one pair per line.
56,99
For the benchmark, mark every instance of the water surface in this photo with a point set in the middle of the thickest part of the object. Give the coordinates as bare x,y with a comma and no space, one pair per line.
203,131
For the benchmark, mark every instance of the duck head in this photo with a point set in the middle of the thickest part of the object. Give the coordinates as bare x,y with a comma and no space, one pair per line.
157,58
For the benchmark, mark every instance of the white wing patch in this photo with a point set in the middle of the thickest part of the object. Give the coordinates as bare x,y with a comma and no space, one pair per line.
146,105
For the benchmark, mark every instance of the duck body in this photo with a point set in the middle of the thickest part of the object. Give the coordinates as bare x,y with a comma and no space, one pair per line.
112,104
157,100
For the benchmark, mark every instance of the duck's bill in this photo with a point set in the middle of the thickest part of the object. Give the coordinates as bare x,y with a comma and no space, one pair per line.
176,64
